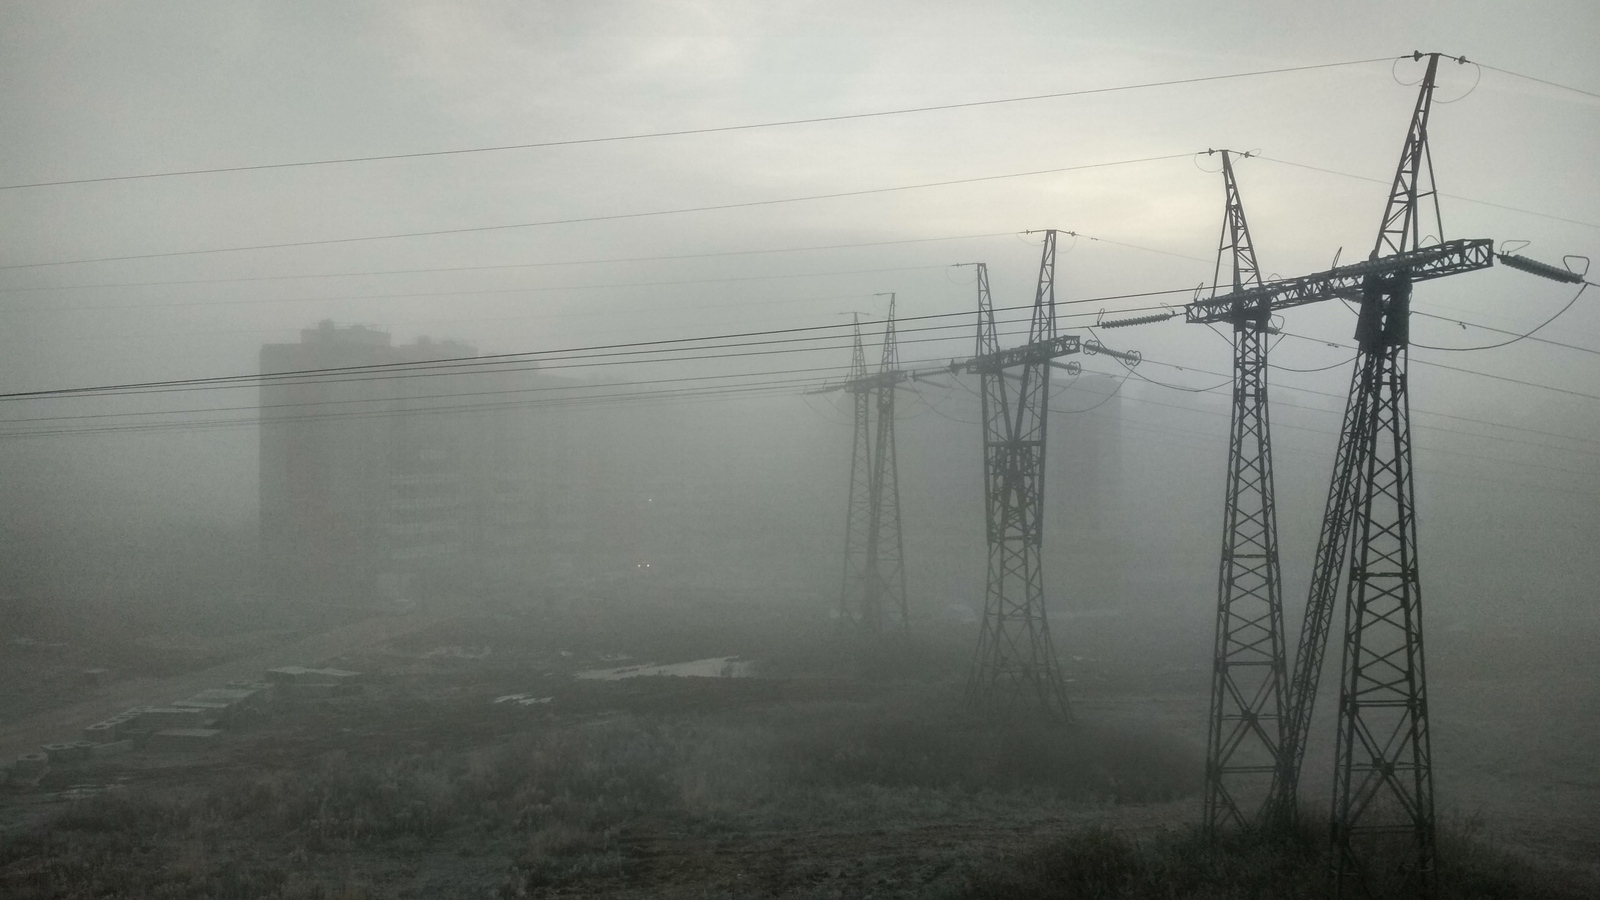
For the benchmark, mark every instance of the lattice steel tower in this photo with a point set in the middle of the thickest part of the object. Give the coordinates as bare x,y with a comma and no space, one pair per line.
1383,780
1248,671
1015,663
1383,771
873,596
854,594
886,569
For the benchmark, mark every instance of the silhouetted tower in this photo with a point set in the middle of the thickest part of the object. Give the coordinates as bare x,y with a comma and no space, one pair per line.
1015,663
855,594
1383,825
886,571
1248,671
1383,770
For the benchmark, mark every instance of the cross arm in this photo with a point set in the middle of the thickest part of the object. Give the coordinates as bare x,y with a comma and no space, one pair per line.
1037,352
1424,264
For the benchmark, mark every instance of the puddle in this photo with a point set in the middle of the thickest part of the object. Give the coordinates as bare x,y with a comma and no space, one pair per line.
714,667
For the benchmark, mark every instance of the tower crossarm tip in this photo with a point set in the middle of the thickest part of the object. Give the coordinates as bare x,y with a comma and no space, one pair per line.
1543,270
1131,357
1425,264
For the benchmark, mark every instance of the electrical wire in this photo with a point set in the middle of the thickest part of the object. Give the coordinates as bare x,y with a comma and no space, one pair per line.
1440,429
611,217
683,132
1517,209
1317,369
486,291
469,363
1554,84
1170,387
536,265
1106,399
1465,371
1516,338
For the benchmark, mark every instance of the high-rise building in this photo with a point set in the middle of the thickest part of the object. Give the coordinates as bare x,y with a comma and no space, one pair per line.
391,484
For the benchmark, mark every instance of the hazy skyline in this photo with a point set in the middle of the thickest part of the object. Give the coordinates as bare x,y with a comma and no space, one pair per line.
97,91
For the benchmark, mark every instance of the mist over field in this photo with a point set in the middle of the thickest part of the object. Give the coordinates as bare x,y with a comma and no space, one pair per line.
432,464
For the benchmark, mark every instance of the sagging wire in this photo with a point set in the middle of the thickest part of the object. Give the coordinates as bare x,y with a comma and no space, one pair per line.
1506,343
1172,387
1317,369
1103,401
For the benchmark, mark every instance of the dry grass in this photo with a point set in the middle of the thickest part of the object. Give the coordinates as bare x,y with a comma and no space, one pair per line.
687,804
1101,864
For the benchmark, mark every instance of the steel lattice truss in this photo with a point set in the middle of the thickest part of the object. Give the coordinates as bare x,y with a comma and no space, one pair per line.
855,595
872,599
1332,546
1248,670
886,571
1015,665
1383,775
1383,818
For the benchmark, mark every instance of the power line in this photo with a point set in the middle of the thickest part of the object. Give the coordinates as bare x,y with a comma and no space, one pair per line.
468,363
684,132
1518,209
540,288
1481,374
612,217
1488,437
1554,84
691,393
1515,337
536,265
516,290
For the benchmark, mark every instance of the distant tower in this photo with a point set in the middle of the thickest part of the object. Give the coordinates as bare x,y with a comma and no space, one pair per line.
873,596
855,594
1015,663
885,547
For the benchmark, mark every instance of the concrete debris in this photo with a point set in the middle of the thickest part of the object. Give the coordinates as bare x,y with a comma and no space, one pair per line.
522,699
66,752
101,732
183,738
29,765
157,718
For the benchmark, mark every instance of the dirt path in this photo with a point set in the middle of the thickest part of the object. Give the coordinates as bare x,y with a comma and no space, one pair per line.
66,723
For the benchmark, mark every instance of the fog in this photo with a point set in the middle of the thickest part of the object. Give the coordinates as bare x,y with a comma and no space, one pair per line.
661,219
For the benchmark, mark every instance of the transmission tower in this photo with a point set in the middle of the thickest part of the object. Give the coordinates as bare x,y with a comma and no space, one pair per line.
855,593
872,598
886,570
1248,671
1015,663
1383,825
1383,769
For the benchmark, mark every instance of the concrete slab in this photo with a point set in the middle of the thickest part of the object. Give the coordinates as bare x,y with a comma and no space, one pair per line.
101,732
183,738
157,718
30,765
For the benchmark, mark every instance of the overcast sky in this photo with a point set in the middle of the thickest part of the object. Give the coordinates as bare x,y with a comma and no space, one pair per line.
91,90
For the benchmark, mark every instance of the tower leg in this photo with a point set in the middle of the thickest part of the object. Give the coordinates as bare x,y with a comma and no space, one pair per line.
1383,818
1245,737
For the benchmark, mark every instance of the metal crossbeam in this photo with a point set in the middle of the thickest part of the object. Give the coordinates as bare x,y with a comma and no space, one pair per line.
1346,282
